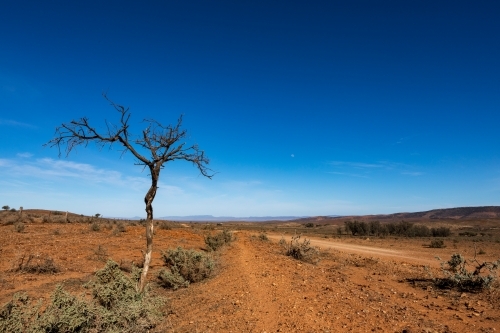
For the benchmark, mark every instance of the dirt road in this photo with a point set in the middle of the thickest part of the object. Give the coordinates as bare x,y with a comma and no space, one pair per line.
416,257
258,289
354,288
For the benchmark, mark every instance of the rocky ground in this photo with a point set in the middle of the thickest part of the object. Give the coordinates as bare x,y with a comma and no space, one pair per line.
358,285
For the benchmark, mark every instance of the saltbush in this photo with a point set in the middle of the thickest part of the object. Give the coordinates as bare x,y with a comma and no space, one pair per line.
215,242
184,267
458,275
115,306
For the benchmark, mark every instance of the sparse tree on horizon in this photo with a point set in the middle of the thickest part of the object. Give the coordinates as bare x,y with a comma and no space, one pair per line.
5,207
162,143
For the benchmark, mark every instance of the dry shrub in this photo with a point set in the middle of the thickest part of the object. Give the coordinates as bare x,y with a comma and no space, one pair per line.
94,226
19,227
11,219
301,251
115,306
120,227
437,244
184,267
36,264
100,254
219,240
458,275
164,226
263,237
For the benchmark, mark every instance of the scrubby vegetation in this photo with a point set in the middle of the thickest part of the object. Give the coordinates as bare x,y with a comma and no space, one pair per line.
467,234
184,267
36,264
402,228
100,254
216,241
437,244
19,227
300,250
459,275
164,226
115,306
120,226
263,237
95,226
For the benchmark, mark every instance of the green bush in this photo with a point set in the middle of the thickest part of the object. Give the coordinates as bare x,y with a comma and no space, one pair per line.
217,241
184,267
403,228
115,306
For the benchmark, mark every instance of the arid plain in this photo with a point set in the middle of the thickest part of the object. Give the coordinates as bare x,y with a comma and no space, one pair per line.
360,284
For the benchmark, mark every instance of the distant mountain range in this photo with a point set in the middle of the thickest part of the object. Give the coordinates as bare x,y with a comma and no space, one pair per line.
459,213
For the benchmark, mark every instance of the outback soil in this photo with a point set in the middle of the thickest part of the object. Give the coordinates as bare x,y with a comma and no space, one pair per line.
359,285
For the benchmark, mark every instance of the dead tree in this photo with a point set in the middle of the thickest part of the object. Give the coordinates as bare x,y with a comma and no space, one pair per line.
157,145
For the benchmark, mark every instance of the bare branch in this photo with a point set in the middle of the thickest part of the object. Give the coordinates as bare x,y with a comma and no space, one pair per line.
164,144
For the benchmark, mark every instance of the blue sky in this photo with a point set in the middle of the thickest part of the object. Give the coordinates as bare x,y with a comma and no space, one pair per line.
318,108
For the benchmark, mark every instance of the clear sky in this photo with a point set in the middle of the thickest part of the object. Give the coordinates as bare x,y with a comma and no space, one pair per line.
304,108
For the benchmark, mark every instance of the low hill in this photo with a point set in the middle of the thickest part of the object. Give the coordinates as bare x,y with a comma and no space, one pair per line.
458,213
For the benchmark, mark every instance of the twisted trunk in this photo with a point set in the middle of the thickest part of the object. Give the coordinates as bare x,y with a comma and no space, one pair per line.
148,200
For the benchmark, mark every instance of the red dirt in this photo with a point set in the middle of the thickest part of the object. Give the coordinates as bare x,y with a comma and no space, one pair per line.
358,286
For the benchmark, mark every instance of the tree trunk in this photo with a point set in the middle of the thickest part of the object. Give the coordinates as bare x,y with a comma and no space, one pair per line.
148,200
